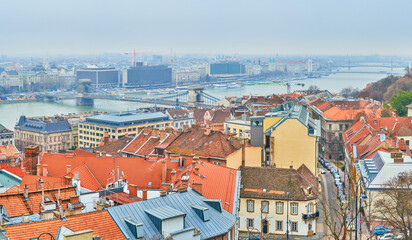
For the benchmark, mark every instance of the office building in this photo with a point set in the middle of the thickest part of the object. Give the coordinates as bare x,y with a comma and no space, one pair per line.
147,76
119,124
100,77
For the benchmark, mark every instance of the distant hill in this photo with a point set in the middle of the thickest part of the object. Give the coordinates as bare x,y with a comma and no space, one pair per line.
384,89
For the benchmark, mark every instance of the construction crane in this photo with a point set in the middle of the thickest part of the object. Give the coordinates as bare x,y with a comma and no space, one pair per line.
134,55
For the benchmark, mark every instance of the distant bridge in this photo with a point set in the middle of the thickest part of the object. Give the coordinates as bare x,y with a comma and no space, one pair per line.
193,97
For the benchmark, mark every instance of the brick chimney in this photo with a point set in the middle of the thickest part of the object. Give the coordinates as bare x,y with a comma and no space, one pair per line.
67,180
165,187
144,194
197,170
133,190
173,177
147,130
207,131
31,159
162,193
164,170
68,168
105,138
44,170
197,187
74,199
182,189
38,169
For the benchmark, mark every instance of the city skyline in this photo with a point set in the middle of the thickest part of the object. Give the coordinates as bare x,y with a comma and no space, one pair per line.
229,27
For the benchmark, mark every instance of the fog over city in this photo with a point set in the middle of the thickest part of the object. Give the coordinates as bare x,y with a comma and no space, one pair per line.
232,27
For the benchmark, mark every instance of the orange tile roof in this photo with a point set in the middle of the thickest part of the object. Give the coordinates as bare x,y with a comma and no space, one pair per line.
49,182
100,222
15,169
15,204
218,182
9,151
87,179
195,141
137,170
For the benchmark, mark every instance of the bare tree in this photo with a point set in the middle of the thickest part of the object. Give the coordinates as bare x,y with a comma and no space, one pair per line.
394,204
350,92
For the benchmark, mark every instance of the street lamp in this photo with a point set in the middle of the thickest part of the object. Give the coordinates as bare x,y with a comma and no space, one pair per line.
287,217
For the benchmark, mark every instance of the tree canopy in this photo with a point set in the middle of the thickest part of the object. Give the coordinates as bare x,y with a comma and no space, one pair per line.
399,102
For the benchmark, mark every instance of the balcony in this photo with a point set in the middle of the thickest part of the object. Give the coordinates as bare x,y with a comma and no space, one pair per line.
310,216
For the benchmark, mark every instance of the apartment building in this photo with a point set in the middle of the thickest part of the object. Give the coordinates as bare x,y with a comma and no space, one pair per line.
53,134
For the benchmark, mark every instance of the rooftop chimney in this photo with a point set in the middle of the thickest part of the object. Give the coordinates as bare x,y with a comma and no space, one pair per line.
144,194
44,170
162,193
68,168
42,189
105,138
173,177
185,128
38,169
165,187
197,187
31,159
133,190
74,199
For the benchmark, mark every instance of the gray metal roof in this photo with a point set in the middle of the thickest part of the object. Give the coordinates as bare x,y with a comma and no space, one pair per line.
43,127
128,117
164,212
219,223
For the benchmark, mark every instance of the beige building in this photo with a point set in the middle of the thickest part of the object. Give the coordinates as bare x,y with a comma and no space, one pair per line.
54,135
289,137
270,197
120,124
239,127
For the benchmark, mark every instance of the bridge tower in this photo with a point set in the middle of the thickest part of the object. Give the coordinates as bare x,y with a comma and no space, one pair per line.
195,97
83,98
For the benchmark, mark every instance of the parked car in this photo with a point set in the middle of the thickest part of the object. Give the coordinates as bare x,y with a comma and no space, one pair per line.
322,162
342,197
332,170
380,230
337,182
329,167
390,236
322,171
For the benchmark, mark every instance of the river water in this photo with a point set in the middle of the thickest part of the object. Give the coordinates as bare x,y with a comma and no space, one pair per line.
10,113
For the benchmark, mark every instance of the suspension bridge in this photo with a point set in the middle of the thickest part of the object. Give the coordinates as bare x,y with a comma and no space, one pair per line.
192,98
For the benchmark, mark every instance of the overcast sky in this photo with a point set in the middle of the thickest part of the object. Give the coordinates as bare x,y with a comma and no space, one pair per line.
206,26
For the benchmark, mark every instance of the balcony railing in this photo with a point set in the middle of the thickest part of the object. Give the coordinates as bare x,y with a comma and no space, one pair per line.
306,216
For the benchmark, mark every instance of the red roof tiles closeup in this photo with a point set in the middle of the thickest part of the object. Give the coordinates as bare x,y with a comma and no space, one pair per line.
100,222
218,182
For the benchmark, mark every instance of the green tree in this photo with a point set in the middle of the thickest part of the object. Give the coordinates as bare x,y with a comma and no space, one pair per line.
386,113
399,102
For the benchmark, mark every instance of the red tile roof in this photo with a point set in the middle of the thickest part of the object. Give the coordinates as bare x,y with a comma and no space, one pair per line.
195,141
100,222
9,151
122,198
218,182
114,148
31,181
137,170
15,204
87,179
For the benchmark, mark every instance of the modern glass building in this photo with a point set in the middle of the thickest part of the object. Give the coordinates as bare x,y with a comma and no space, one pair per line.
100,77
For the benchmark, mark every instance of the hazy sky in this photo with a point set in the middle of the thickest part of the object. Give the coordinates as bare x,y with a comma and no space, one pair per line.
206,26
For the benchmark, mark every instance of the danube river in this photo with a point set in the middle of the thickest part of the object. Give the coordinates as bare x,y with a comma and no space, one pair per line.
11,112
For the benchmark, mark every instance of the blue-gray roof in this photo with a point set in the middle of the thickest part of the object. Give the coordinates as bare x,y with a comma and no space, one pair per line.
164,212
128,118
219,222
43,127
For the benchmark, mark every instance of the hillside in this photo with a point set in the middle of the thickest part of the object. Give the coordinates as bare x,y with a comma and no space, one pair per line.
385,88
